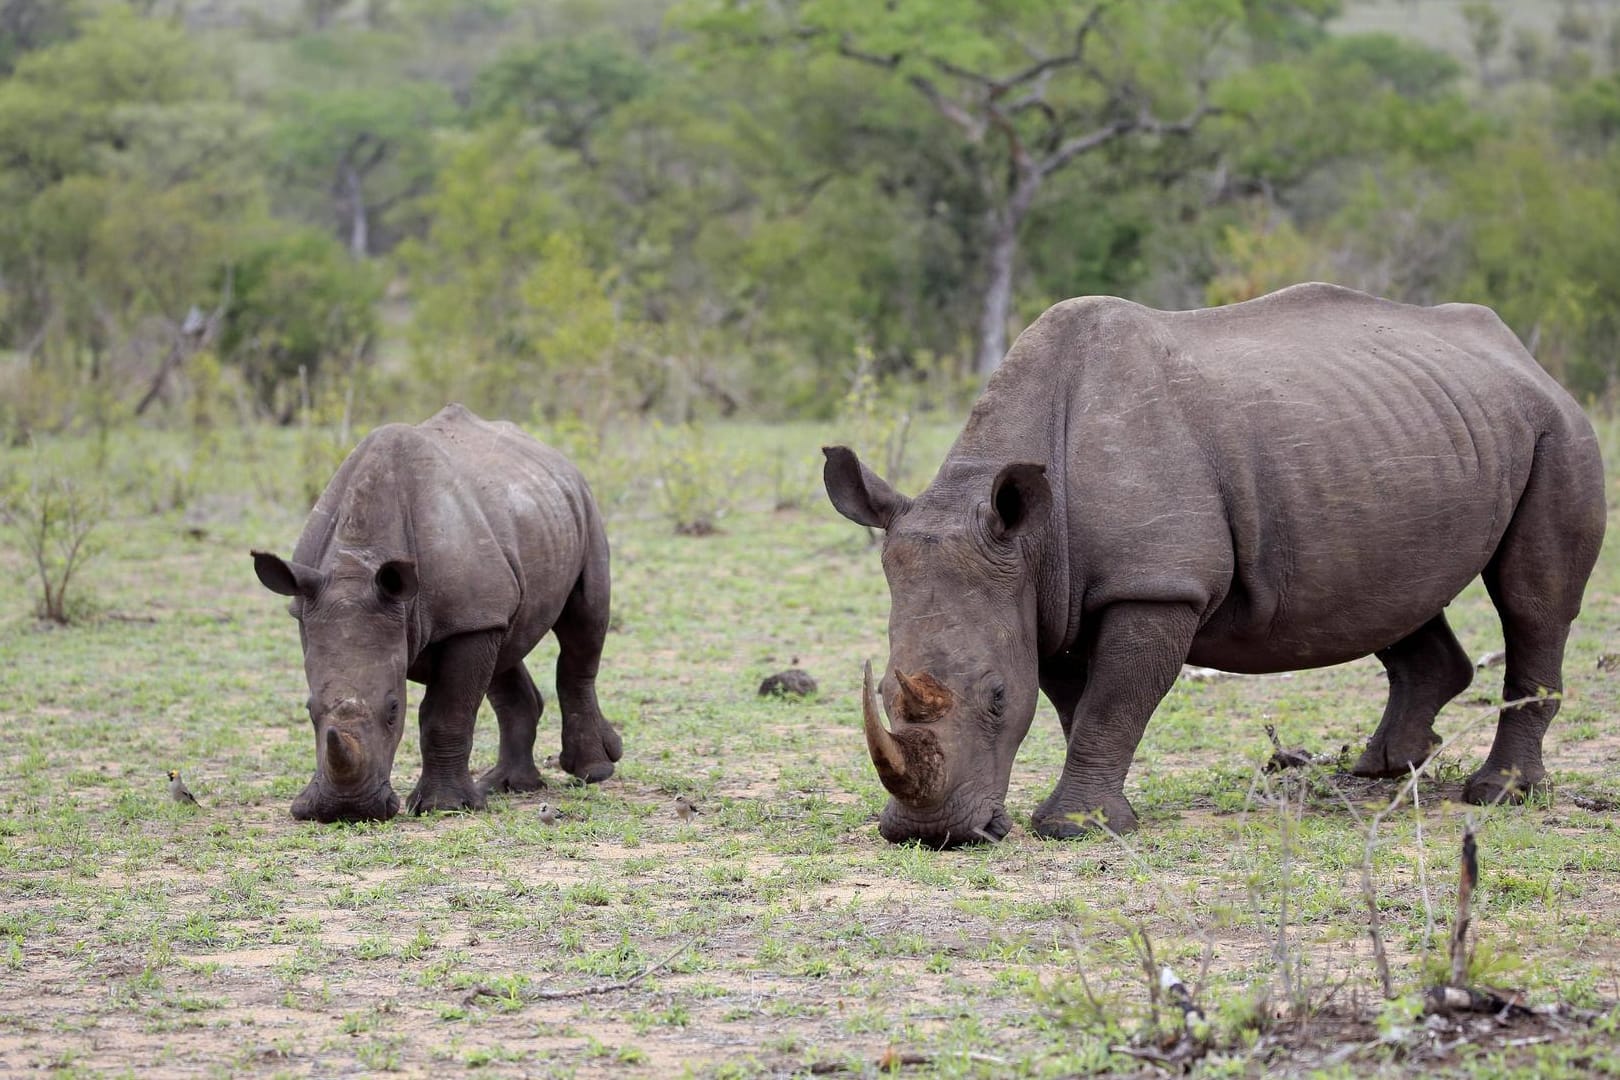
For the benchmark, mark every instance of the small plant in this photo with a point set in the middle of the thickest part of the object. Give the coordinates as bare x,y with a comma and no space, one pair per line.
695,483
53,517
325,437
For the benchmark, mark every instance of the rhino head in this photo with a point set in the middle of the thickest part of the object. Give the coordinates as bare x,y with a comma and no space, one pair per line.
961,683
352,623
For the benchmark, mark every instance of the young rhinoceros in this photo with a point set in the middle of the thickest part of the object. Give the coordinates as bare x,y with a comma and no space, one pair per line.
443,553
1291,482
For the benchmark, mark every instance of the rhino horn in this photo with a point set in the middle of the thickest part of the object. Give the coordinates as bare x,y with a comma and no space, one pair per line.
891,756
342,754
922,698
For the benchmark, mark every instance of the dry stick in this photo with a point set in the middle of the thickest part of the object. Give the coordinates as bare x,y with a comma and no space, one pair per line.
1374,927
1465,893
1286,806
579,991
1423,871
1374,920
1085,984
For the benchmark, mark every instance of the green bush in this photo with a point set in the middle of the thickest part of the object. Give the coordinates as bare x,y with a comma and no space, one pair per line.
52,517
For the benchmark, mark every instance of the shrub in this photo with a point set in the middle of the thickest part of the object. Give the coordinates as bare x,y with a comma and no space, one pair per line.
53,517
696,484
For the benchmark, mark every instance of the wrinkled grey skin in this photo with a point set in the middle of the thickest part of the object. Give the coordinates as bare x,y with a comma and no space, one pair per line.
443,553
1291,482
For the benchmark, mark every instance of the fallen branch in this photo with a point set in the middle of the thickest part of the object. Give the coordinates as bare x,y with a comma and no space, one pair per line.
483,991
1448,1000
888,1061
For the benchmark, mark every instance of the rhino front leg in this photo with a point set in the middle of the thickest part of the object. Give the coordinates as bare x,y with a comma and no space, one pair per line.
590,746
461,675
1063,680
1137,652
518,707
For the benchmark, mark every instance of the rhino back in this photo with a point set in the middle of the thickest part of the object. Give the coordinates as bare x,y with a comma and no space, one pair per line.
1318,470
500,525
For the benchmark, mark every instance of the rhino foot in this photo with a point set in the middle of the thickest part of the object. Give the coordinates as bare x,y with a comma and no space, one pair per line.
591,770
434,795
594,773
1384,760
511,778
1056,823
1491,785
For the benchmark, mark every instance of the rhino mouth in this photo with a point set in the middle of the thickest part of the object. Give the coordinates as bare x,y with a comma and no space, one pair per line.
983,821
317,803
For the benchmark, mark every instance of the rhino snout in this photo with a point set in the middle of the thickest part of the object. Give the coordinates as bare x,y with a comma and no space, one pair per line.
319,803
956,824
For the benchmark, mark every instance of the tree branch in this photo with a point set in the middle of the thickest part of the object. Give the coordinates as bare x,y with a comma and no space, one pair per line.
950,110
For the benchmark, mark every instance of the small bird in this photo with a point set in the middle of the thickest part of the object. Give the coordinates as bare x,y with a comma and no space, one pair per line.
549,814
178,790
685,808
550,762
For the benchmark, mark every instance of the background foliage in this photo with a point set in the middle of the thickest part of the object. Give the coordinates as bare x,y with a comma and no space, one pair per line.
688,208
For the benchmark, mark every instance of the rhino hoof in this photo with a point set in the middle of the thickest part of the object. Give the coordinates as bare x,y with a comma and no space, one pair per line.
1490,786
515,779
596,772
1382,761
1117,815
428,799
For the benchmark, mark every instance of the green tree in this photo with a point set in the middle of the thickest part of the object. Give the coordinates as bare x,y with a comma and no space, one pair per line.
565,87
26,25
363,150
1485,25
126,165
509,312
295,301
1109,75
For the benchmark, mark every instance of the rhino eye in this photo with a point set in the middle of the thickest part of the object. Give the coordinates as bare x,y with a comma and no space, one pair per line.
393,710
998,699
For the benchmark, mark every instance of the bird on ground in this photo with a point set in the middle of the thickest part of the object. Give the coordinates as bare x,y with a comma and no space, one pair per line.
685,808
178,790
549,814
550,762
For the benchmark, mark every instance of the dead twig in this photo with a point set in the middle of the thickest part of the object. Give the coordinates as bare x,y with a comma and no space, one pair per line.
1465,892
483,991
1192,1043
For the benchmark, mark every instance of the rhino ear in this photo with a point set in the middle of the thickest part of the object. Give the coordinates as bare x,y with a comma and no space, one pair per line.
1020,498
286,578
859,493
396,580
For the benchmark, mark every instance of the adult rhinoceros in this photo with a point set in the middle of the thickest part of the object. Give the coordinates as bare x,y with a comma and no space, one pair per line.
443,553
1291,482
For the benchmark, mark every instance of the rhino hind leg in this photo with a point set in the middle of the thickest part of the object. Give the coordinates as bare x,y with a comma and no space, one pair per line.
1536,579
1137,654
590,746
462,671
1427,668
518,706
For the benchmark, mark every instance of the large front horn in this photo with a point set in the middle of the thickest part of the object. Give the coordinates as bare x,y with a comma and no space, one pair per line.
887,753
909,763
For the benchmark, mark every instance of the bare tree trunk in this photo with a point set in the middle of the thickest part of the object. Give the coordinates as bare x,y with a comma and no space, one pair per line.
359,225
996,304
